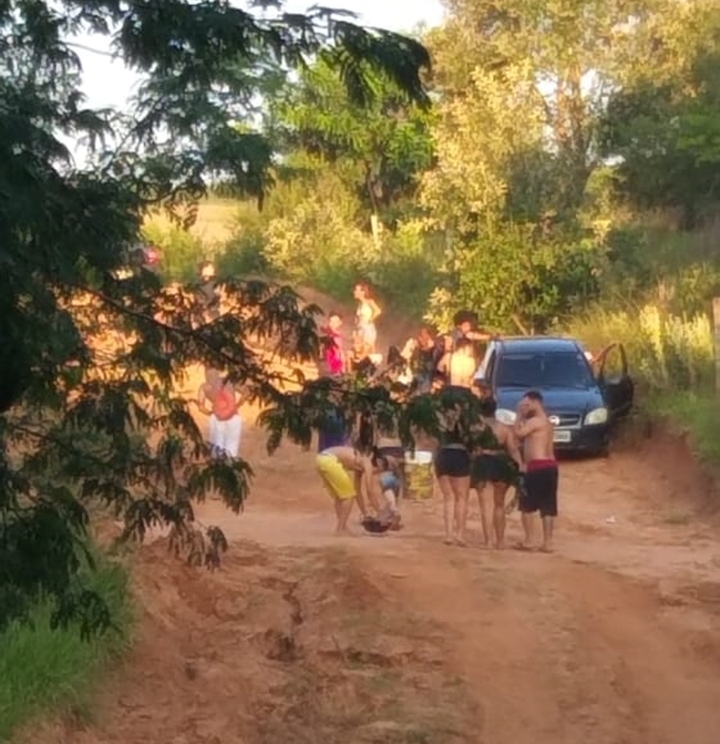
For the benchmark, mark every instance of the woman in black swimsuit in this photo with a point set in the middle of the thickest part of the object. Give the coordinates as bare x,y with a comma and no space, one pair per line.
452,460
496,460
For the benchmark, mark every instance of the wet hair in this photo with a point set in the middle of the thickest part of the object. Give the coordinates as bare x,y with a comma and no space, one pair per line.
488,407
535,395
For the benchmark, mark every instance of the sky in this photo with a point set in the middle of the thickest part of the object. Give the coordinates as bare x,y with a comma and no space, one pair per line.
107,82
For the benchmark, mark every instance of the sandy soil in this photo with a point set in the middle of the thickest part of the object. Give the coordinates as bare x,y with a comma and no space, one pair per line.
301,637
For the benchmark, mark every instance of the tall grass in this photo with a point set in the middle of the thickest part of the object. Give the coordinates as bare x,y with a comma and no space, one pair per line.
666,353
42,669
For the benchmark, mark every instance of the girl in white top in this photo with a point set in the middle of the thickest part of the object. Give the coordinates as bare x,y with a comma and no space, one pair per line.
367,313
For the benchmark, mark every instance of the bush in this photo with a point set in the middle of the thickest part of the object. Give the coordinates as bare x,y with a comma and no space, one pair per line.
318,242
518,271
182,252
408,268
42,668
666,352
244,253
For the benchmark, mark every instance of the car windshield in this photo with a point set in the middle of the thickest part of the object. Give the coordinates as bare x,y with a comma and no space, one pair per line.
556,369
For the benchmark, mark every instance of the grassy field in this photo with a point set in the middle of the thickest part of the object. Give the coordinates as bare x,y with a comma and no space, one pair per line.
43,671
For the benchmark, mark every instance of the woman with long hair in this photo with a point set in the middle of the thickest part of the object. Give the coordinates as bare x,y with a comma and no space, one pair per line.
452,459
368,311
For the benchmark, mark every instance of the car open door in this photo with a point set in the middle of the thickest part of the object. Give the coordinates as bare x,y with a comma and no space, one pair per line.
614,380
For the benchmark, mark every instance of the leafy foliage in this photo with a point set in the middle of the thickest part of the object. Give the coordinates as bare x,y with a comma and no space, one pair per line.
666,131
89,408
384,144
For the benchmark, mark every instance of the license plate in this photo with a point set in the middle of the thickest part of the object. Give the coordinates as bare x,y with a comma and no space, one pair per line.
562,436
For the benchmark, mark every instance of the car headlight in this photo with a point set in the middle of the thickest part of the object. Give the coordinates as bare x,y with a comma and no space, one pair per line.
504,416
597,416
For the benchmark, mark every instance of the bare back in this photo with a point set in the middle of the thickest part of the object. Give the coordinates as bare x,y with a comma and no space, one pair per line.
507,439
459,368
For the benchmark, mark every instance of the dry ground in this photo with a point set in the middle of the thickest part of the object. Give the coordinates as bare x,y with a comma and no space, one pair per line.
302,638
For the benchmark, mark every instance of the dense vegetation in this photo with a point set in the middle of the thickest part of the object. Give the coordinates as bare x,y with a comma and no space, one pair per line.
557,167
566,175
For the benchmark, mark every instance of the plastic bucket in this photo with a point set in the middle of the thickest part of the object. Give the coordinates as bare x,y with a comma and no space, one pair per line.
419,475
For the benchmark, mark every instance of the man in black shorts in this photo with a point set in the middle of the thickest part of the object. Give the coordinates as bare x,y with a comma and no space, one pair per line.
535,430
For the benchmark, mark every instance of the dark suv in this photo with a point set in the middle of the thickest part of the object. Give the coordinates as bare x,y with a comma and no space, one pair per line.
583,405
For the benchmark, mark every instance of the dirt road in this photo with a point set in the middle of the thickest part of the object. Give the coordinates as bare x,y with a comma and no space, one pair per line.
303,638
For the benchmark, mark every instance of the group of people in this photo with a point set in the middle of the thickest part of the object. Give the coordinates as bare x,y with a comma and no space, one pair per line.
362,354
500,458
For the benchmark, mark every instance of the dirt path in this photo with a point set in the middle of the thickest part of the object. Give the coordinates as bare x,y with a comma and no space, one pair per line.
303,638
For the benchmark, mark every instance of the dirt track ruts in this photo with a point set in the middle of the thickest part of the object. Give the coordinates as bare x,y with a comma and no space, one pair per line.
301,637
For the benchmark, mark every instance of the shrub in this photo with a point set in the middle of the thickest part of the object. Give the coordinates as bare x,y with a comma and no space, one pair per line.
41,668
182,251
408,267
318,241
518,271
666,352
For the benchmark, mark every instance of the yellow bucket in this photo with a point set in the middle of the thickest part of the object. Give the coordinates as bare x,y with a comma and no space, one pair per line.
418,475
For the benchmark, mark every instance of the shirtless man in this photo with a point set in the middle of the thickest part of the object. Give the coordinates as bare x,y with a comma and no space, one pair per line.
458,366
345,472
534,429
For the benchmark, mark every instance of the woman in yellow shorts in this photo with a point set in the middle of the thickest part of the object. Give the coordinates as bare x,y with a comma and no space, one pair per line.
343,470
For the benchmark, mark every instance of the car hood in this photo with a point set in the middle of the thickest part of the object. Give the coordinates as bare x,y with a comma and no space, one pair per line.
568,400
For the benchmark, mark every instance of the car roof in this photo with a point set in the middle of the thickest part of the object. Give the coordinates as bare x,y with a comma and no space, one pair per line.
535,344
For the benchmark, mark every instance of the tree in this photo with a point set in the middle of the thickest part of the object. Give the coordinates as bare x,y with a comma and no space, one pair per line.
662,127
527,92
89,412
387,140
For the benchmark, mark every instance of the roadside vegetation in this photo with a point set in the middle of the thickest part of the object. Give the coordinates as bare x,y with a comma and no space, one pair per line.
555,167
587,203
45,667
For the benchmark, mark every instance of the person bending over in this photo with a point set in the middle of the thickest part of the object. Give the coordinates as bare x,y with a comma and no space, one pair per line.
345,473
535,430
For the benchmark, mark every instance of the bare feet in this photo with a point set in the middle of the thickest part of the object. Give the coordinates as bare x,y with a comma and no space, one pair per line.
344,532
546,549
460,542
525,548
448,541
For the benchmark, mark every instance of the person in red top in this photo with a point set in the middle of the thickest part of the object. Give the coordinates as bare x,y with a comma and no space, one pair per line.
219,399
334,357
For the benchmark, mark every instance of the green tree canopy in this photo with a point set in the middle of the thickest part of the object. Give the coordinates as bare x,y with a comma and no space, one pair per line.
89,412
663,126
384,141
